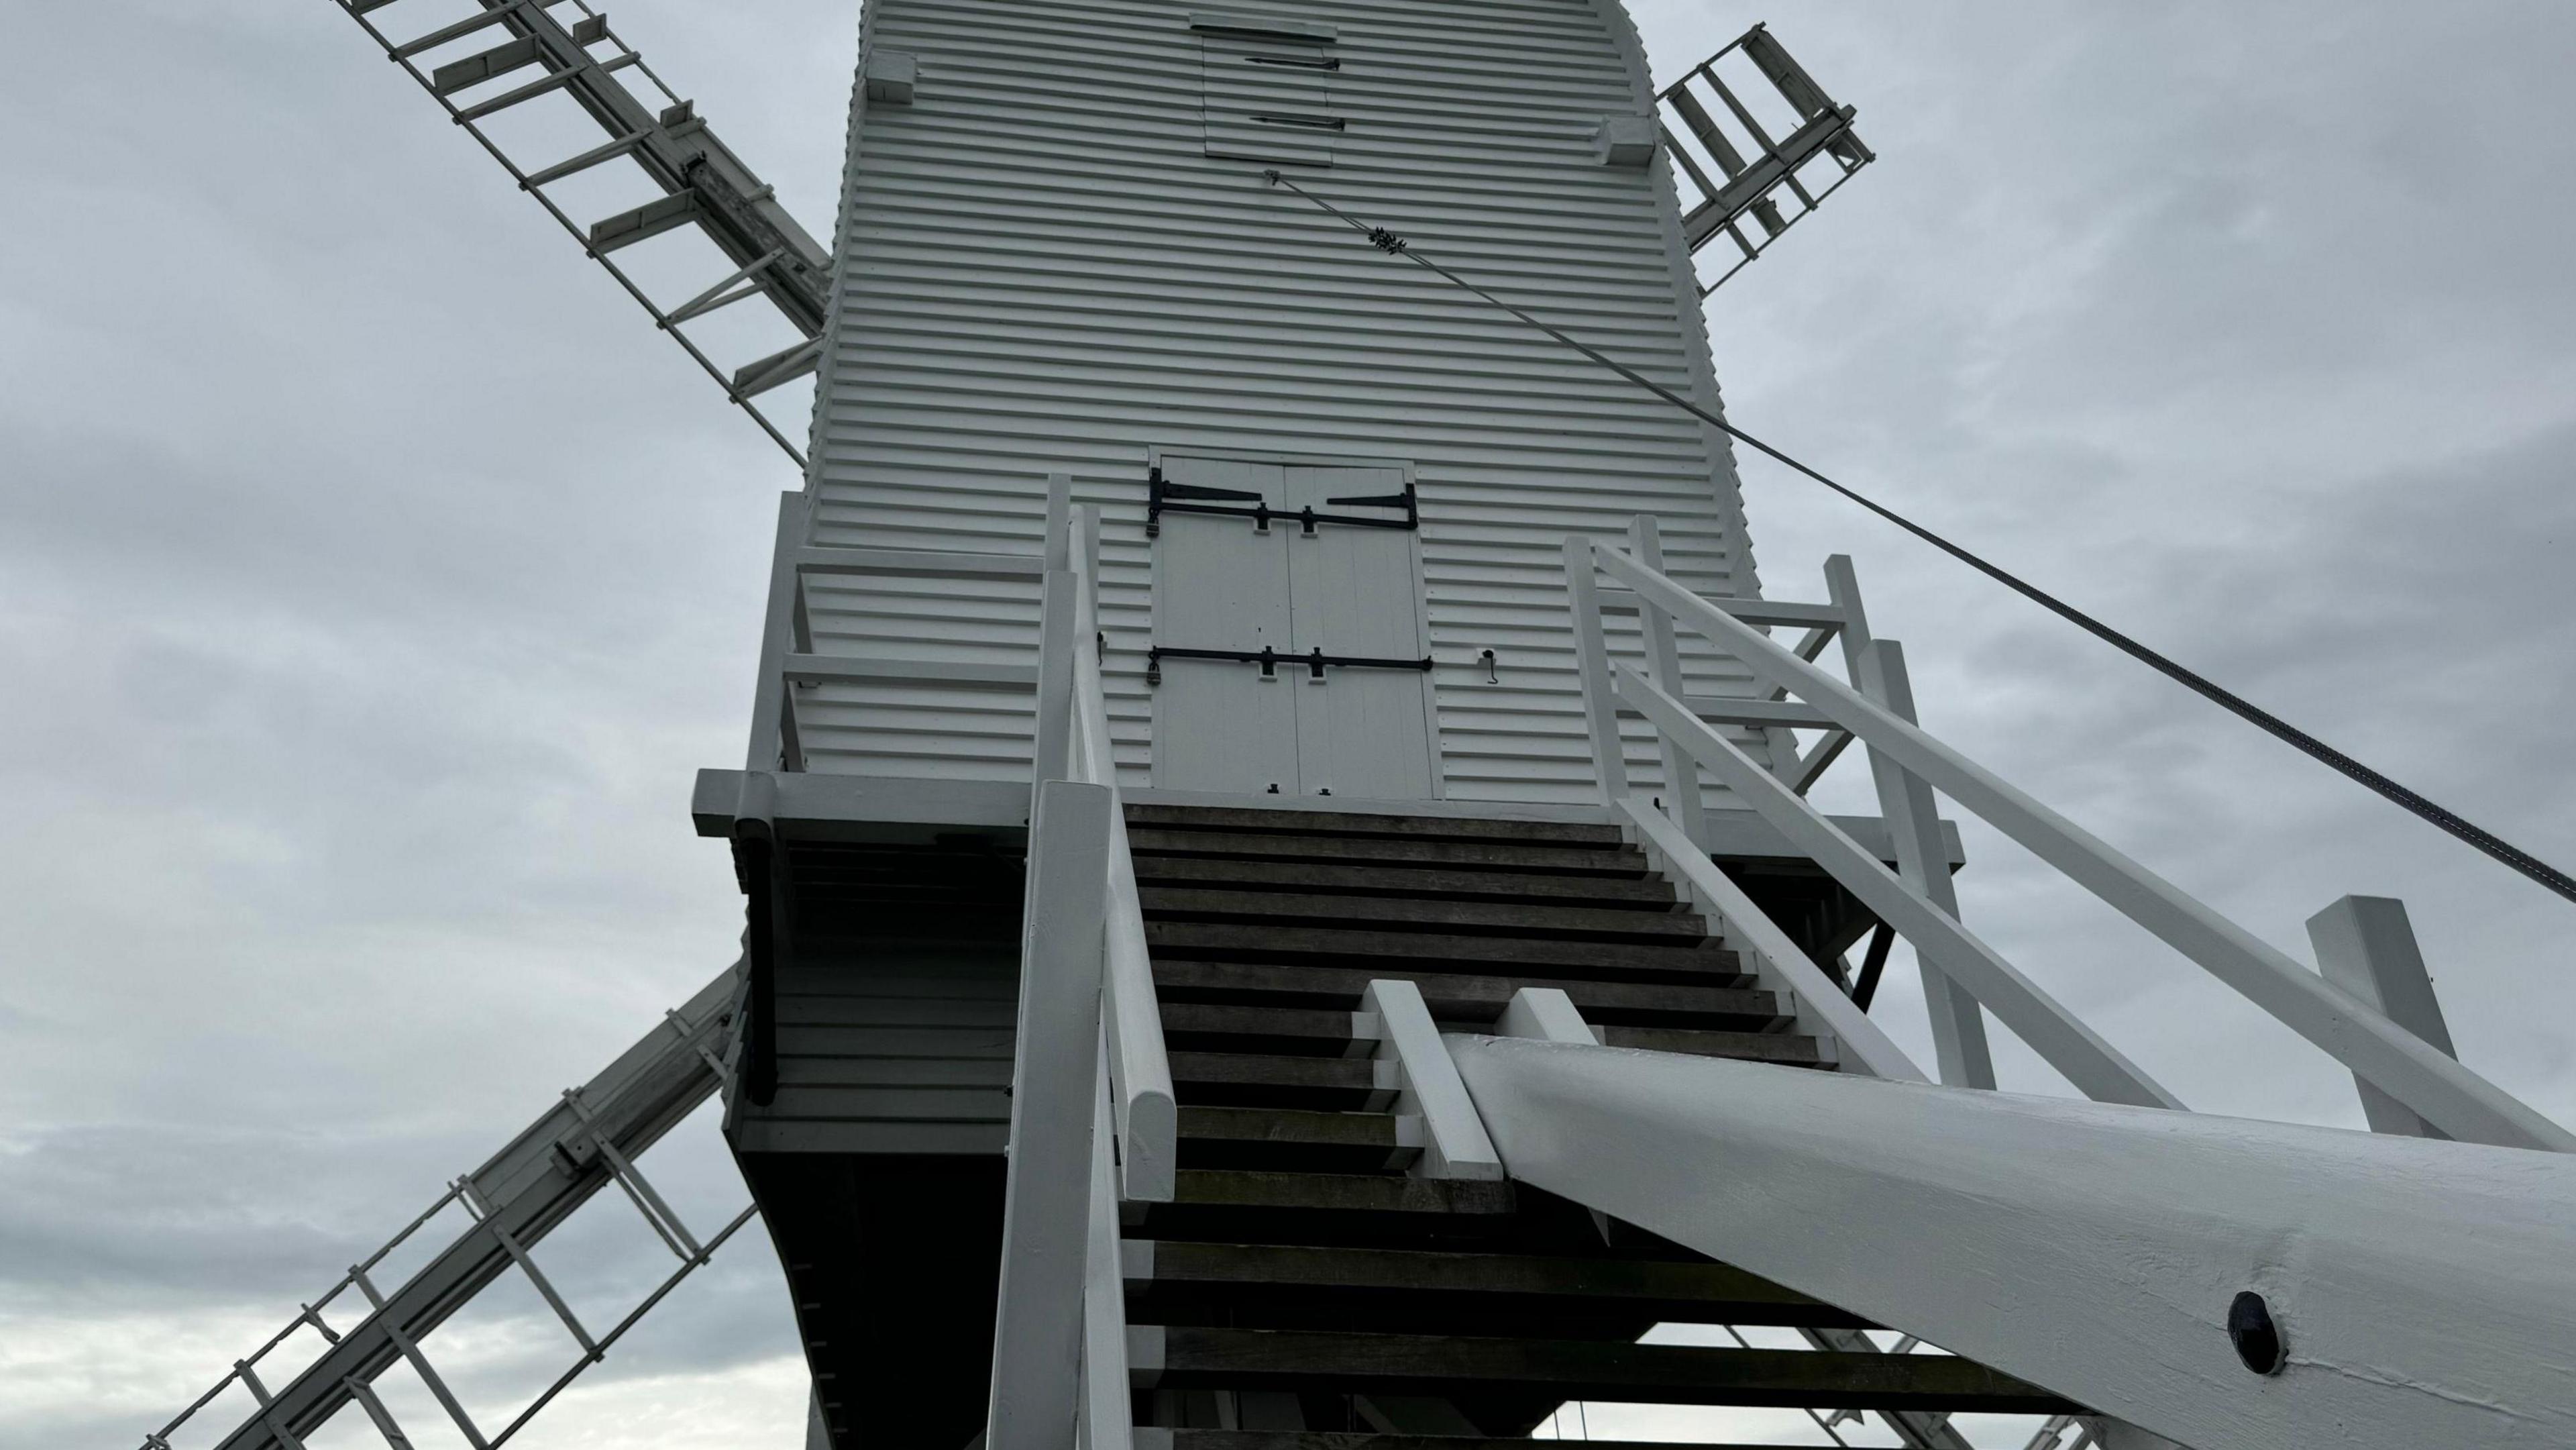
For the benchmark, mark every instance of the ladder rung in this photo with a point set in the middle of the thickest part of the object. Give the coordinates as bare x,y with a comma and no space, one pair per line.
365,1394
482,66
267,1405
420,1366
586,160
777,368
432,40
629,1177
528,1265
649,220
534,89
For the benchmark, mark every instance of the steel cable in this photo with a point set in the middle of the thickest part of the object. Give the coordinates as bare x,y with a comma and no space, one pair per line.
2414,803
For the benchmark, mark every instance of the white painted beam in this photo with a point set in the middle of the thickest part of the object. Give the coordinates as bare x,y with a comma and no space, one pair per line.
1547,1014
1454,1144
2422,1287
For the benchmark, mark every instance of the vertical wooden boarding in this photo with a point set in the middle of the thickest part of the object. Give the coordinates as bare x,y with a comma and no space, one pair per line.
1356,592
1037,1326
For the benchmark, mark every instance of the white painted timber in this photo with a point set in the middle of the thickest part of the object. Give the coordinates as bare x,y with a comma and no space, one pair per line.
2422,1287
2401,1064
2365,946
1107,1418
1877,669
1140,1070
1040,269
1823,1010
1038,1317
1454,1144
1547,1014
2097,1069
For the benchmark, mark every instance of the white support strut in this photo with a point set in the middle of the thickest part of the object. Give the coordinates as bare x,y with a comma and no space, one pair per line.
2401,1064
2421,1288
1454,1144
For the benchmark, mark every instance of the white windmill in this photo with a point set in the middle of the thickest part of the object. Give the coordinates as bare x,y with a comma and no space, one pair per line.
1298,755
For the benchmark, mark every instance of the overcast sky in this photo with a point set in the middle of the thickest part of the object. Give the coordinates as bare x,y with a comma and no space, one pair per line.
371,582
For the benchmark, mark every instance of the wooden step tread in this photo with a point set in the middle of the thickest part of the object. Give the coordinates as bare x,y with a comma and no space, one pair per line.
1327,1029
1411,915
1330,1362
1426,883
1448,855
1343,1192
1355,1074
1697,1291
1254,942
1469,999
1353,824
1293,1125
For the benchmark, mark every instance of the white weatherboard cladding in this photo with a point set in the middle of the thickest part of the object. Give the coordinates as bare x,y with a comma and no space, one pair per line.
1041,270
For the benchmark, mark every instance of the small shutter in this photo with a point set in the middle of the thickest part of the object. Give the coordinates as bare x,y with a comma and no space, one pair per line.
1268,92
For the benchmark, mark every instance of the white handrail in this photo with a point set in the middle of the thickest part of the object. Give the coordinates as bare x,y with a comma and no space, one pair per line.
2089,1062
1750,930
2446,1094
1106,1419
1055,1075
1140,1069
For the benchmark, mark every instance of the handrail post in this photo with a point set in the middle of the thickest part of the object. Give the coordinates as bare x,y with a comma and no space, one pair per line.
1664,659
774,743
1052,747
1106,1419
2366,946
1140,1072
1592,665
1877,670
1037,1329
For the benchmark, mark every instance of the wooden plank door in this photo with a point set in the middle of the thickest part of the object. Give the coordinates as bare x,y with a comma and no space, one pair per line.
1356,592
1221,584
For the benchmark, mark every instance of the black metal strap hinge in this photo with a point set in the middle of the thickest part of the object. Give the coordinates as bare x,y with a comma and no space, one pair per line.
1315,661
1165,497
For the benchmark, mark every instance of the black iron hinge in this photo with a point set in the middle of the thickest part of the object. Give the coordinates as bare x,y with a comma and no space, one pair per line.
1163,496
1270,659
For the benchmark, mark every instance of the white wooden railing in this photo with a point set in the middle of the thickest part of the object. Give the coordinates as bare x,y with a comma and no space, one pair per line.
1963,972
1092,1119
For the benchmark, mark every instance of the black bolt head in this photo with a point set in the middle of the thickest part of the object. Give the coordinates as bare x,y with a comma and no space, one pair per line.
2256,1337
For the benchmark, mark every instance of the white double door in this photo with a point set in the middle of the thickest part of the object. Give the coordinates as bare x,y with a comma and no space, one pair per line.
1224,583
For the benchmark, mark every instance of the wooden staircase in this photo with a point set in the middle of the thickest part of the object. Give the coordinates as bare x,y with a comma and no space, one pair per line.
1303,1291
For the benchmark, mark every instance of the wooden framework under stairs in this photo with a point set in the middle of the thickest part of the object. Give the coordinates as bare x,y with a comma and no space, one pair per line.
1304,1290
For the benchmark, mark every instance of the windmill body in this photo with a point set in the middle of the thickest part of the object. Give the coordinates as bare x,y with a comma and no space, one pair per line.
1274,822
